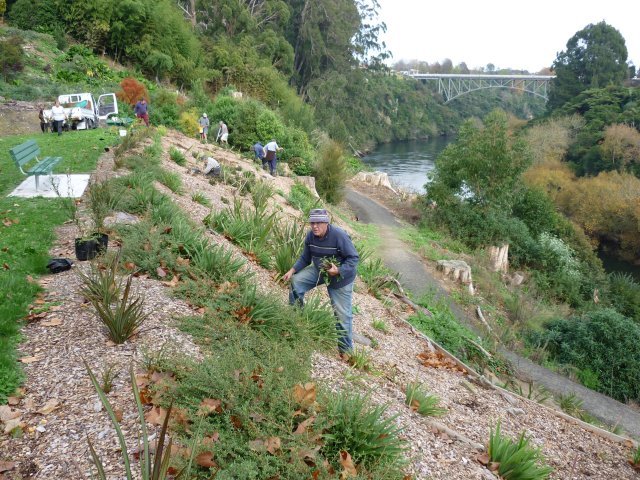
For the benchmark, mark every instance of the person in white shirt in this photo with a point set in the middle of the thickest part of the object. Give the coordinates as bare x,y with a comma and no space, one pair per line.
270,152
59,116
223,133
212,167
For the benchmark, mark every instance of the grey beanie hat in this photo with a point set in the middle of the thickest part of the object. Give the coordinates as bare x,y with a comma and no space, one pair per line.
318,215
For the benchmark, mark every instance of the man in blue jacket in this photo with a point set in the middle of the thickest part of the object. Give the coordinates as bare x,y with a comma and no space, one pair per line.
327,248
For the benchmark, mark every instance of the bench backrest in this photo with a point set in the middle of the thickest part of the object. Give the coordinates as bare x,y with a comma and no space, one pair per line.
25,152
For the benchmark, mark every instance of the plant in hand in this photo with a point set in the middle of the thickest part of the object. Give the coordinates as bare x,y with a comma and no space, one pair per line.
327,263
516,460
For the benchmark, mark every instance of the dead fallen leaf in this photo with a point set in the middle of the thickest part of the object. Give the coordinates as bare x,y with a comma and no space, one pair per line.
11,425
49,406
173,282
161,272
118,414
5,266
303,426
305,394
272,445
7,222
236,422
482,458
7,413
13,401
156,415
129,266
349,469
205,459
33,359
54,322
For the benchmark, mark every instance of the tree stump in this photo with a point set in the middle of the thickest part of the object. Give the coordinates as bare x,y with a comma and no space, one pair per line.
459,271
377,179
499,258
310,183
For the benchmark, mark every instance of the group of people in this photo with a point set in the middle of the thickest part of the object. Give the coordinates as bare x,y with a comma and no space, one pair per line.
268,155
223,130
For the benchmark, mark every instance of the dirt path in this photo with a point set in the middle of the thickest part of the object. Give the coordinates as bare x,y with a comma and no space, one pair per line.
416,278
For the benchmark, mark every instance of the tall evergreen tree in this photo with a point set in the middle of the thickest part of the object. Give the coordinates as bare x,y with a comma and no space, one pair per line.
595,57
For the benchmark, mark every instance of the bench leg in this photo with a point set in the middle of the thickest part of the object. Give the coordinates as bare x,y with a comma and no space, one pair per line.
37,178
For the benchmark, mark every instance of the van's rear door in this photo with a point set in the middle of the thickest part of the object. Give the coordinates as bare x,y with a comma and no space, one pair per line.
107,105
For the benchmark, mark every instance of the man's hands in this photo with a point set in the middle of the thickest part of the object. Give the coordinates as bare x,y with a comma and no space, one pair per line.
333,270
287,276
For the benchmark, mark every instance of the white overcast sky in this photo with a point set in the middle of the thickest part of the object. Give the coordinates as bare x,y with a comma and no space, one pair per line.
510,34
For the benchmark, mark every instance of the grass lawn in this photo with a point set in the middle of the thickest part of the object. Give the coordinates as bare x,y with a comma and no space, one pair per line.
27,233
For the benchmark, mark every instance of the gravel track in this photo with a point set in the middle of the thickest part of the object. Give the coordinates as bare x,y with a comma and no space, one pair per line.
416,278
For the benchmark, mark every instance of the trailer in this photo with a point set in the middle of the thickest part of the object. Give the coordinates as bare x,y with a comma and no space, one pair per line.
82,110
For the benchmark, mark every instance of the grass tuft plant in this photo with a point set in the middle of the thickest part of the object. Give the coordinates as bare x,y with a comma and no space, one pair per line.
635,459
123,317
177,156
170,180
101,283
360,359
571,405
380,325
200,198
107,376
422,402
516,460
357,427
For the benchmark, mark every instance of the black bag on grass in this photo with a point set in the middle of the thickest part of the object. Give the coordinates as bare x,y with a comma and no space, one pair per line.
57,265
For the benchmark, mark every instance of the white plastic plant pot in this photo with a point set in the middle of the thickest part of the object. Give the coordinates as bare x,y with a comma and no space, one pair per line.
123,133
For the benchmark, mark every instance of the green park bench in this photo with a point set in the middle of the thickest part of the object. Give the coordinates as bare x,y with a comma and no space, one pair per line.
25,153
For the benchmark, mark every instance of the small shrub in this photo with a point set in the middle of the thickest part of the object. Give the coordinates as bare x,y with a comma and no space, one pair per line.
380,325
300,197
624,295
423,402
200,198
101,284
170,180
537,393
124,318
103,199
360,359
261,192
355,426
177,156
516,460
635,458
330,171
131,91
11,57
571,405
107,377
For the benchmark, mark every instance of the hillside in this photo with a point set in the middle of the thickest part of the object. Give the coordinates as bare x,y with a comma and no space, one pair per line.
58,407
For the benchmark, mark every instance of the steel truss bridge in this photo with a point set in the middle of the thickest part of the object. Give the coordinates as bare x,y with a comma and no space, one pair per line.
452,85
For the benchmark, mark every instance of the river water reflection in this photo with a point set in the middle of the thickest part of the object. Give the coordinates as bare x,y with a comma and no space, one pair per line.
407,163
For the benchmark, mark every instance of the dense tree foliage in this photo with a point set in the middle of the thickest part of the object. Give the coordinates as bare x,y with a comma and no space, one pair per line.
604,346
595,57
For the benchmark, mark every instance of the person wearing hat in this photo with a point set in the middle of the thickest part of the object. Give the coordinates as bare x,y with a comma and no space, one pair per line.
329,249
204,127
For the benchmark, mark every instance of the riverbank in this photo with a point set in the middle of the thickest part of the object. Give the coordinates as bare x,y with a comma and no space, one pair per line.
375,206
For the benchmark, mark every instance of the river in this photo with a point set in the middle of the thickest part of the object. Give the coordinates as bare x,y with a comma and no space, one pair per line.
407,163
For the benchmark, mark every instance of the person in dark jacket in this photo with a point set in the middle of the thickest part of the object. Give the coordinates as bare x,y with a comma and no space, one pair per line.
328,257
142,111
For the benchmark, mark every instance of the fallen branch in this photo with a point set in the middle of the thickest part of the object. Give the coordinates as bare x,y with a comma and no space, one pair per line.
403,298
455,435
